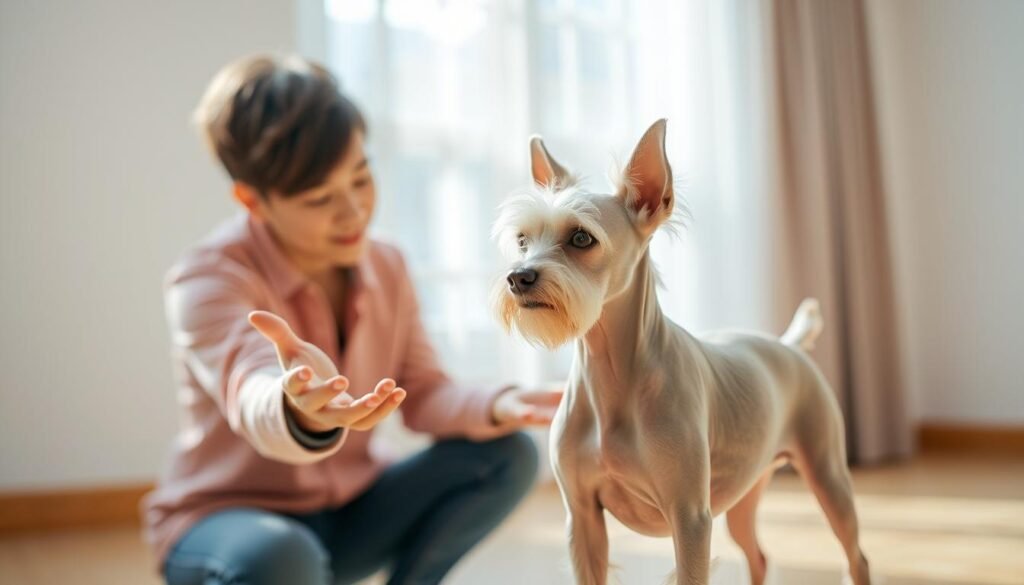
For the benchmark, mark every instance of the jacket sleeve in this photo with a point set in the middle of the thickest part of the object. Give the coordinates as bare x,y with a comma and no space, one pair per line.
435,404
207,305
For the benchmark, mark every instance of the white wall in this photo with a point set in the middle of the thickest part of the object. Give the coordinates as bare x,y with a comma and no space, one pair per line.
102,183
951,99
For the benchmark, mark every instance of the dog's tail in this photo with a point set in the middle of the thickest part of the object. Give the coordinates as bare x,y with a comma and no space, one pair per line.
806,325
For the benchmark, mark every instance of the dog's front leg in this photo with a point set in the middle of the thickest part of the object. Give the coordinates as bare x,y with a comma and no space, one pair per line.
691,533
688,511
588,541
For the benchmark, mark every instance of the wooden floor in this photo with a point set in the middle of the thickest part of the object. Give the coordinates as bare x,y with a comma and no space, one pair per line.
939,520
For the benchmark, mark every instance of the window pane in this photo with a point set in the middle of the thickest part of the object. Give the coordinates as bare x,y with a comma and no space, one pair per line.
404,193
350,50
592,49
415,73
550,110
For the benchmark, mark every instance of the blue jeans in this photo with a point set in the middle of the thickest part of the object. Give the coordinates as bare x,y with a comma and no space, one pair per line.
419,518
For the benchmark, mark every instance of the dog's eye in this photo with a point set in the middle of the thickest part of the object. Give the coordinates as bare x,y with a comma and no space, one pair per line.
522,242
582,239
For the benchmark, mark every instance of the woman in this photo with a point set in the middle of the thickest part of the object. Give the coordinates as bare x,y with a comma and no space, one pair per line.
271,478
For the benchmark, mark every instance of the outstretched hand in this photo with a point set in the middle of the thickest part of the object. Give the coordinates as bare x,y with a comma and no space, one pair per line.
314,390
524,407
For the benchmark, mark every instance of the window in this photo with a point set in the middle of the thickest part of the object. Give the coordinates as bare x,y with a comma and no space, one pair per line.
452,91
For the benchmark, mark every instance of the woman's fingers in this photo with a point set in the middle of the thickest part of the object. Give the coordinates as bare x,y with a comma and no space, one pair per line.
539,416
525,413
387,407
362,406
330,405
380,393
383,388
313,399
543,397
296,379
553,397
276,330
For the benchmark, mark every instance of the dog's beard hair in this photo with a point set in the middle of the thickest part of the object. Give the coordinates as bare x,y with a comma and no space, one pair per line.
575,301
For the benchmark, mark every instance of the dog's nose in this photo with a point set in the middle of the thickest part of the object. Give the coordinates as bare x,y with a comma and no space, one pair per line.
521,280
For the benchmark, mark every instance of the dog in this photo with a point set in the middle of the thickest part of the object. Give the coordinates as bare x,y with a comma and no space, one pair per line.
660,428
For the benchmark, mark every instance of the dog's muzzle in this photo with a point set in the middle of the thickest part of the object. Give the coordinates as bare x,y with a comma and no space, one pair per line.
521,280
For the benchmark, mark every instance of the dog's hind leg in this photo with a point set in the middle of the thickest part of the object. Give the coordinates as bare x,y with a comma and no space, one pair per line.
829,479
741,519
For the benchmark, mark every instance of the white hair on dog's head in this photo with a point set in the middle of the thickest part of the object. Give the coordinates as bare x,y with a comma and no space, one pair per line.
543,207
546,218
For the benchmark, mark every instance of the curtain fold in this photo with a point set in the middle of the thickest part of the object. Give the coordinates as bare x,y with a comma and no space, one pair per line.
830,219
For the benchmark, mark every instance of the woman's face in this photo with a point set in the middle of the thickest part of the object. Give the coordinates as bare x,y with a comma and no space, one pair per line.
325,227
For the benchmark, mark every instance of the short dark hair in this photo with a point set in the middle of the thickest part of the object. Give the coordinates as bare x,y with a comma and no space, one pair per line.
277,125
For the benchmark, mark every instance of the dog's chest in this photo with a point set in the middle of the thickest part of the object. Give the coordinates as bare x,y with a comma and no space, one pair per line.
606,461
624,484
608,432
614,455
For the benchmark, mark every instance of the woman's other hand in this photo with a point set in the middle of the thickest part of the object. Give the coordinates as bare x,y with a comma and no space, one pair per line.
527,407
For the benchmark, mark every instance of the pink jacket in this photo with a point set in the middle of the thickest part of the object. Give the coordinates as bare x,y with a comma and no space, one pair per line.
234,447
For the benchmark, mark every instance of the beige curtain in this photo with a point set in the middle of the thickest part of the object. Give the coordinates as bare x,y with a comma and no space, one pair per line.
832,225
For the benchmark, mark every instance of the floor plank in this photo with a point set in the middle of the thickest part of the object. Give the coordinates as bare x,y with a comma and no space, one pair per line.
949,520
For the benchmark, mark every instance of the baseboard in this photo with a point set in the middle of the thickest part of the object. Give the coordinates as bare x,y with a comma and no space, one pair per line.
952,437
29,511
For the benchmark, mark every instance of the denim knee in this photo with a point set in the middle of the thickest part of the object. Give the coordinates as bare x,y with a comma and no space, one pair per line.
268,550
517,454
288,554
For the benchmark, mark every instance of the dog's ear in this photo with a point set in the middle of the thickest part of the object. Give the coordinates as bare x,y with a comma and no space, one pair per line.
646,187
546,170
